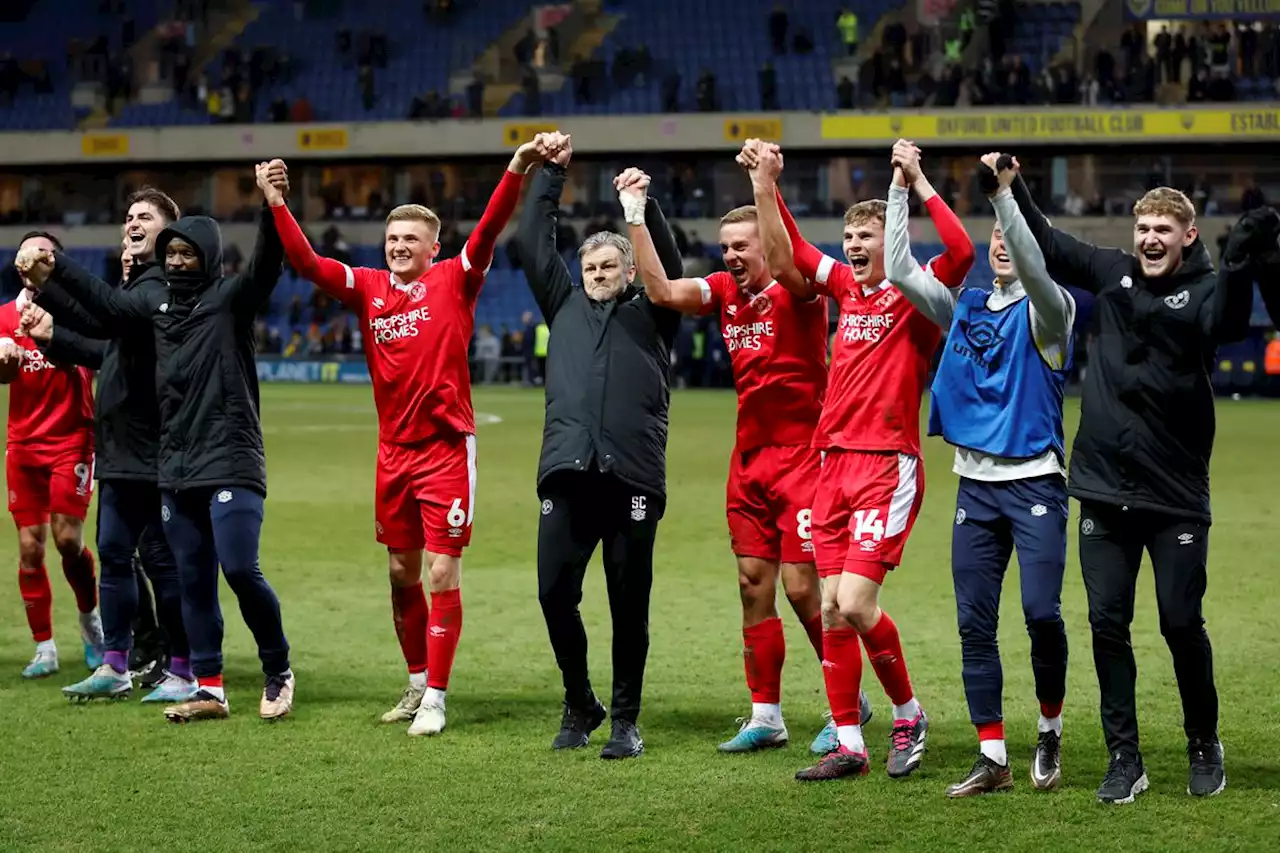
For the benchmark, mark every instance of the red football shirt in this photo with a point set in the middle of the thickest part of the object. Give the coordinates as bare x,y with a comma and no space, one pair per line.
416,335
415,341
778,346
49,405
879,365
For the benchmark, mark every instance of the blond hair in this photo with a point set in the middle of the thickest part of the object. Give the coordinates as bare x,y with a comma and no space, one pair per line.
872,210
1166,201
415,213
746,213
609,238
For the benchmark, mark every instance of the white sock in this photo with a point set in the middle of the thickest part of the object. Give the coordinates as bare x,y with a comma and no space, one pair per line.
91,627
1050,725
850,738
433,697
994,749
418,680
770,714
908,712
46,647
218,693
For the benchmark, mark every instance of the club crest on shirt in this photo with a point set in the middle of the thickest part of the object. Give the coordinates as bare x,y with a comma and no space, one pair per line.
761,303
1178,300
417,292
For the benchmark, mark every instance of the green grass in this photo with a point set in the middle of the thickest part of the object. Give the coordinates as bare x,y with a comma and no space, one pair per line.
330,778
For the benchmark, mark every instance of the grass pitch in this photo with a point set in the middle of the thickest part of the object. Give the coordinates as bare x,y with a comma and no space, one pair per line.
110,777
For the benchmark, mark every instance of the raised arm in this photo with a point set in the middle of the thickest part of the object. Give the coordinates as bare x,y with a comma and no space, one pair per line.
687,295
664,241
792,260
1250,254
930,296
253,287
1068,260
333,277
953,265
544,268
70,314
477,255
118,311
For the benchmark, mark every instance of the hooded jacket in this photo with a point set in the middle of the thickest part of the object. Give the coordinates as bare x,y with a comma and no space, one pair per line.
126,417
1147,410
206,379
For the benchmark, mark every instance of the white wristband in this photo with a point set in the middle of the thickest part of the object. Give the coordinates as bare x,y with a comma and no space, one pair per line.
632,208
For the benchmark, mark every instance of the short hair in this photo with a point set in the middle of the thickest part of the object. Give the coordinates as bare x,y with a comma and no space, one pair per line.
1166,201
415,213
57,244
746,213
160,201
872,210
609,238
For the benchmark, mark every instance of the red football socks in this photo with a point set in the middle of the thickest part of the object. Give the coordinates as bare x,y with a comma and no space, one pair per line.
37,596
409,610
763,652
842,672
990,731
813,627
1050,710
80,572
884,648
444,629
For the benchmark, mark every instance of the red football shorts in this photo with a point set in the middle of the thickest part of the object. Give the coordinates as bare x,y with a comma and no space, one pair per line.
769,502
864,510
425,495
45,480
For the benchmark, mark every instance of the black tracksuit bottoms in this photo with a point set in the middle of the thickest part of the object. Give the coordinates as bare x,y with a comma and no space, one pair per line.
1112,539
581,510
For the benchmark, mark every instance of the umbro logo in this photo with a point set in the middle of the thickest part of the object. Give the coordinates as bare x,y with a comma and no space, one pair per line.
1186,538
378,303
224,496
1038,510
731,310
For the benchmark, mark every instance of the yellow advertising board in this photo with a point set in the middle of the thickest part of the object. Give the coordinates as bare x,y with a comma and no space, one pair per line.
322,139
516,135
104,144
1057,127
752,127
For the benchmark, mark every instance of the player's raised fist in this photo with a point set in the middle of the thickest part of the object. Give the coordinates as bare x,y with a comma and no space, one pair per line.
278,175
270,191
768,163
632,180
36,323
34,264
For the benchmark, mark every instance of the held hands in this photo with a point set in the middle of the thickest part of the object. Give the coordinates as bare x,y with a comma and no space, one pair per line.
633,190
36,323
35,265
1254,238
763,160
997,172
554,147
273,180
906,156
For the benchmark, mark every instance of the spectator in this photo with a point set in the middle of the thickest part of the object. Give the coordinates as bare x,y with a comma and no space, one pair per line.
779,24
845,93
488,353
768,88
366,86
705,95
671,92
531,87
847,24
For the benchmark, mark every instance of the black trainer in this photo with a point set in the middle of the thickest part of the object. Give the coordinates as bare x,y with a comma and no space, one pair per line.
986,777
1207,776
624,741
1126,778
864,709
1046,766
577,725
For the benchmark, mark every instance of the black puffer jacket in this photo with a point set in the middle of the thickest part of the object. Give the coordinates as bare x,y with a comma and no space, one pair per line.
206,374
126,417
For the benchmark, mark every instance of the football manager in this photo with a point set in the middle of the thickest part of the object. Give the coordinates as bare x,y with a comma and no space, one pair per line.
602,474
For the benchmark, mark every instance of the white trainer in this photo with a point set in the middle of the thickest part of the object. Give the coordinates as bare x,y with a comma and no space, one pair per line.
429,720
408,705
